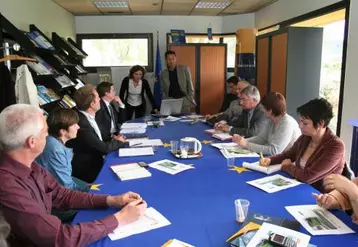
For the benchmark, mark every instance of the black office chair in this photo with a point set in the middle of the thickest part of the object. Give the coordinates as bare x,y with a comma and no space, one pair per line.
347,172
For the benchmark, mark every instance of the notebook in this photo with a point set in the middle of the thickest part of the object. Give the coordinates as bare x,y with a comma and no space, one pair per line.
130,171
256,167
222,136
129,152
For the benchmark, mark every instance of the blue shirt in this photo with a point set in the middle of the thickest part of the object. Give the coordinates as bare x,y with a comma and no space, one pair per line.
56,158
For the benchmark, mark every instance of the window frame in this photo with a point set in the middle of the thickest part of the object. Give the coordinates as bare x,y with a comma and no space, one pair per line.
148,36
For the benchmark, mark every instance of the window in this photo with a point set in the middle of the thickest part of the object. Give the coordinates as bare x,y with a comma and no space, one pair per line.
110,50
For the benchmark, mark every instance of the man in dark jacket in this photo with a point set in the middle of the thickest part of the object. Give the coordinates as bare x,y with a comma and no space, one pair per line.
89,146
252,119
112,112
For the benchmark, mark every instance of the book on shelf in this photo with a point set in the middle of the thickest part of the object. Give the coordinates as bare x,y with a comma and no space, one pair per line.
67,102
64,81
39,40
130,171
79,84
74,48
46,95
41,67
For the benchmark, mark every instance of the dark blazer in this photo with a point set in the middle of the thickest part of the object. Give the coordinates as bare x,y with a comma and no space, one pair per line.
228,98
123,93
328,158
103,119
257,123
88,151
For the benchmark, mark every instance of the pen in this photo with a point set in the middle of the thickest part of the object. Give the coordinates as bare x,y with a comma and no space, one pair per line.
137,144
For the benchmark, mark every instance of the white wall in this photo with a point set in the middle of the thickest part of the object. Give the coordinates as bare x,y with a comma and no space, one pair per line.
45,14
163,24
233,22
287,9
350,85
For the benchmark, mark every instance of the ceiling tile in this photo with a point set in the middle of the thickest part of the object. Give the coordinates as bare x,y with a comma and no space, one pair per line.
245,6
145,7
205,11
78,6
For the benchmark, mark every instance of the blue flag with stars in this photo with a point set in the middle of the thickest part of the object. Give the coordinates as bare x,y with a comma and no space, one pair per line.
158,70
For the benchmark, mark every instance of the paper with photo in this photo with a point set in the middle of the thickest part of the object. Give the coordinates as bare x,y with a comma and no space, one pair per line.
170,167
129,152
274,183
238,153
130,171
263,234
151,123
318,221
151,219
133,125
264,169
145,143
229,145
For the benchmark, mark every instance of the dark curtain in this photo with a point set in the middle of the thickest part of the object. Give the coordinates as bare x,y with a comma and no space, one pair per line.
7,88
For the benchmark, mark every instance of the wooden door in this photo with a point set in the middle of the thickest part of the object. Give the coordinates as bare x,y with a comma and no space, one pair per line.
262,65
212,78
186,55
279,63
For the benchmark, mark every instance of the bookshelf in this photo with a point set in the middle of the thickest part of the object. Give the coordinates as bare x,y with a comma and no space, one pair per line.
54,72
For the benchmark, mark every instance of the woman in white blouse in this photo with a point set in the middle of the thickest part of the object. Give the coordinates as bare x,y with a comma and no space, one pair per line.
132,93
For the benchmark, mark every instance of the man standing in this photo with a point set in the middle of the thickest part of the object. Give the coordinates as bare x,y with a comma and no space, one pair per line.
252,119
28,192
176,82
89,146
112,112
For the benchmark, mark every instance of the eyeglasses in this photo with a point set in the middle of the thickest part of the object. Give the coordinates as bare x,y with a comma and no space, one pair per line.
244,99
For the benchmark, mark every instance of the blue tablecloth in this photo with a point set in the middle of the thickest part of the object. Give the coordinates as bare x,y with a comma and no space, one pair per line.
199,203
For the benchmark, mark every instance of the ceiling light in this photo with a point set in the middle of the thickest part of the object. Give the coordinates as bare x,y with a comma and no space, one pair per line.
111,4
212,4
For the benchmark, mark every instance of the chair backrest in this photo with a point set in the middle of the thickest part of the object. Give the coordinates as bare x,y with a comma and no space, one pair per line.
347,172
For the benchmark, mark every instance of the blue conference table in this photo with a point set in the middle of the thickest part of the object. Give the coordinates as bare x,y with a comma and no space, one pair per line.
199,202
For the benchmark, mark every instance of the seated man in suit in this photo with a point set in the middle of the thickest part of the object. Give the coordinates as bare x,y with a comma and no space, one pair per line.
112,112
89,147
252,119
175,82
28,192
232,95
231,114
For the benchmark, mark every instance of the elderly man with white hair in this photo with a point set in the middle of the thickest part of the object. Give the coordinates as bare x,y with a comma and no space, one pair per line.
28,191
252,120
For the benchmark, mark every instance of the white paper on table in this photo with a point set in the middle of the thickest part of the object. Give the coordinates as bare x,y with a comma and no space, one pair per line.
229,145
133,131
145,143
228,153
133,125
274,183
170,119
301,240
178,243
186,120
169,166
256,167
194,116
151,123
318,221
130,171
129,152
151,219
